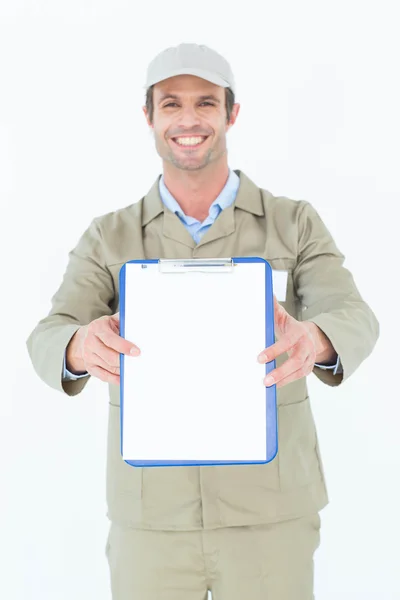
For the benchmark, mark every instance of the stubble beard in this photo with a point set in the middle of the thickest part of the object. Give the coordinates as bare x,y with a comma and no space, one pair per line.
212,154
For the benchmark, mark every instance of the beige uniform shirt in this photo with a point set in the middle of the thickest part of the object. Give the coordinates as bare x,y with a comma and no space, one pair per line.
291,236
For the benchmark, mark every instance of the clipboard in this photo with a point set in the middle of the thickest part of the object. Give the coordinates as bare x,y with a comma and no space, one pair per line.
195,395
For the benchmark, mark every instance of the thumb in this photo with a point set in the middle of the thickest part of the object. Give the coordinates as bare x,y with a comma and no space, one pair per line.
114,322
278,308
280,316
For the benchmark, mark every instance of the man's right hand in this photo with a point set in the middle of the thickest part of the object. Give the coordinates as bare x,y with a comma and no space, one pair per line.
96,347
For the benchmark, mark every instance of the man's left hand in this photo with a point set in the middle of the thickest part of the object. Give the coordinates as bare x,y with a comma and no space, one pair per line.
303,342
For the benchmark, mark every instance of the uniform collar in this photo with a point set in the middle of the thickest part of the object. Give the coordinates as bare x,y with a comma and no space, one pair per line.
248,198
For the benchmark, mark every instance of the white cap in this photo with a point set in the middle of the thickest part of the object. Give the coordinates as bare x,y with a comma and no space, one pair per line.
190,59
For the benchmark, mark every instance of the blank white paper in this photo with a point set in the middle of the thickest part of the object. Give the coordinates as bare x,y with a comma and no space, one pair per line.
196,391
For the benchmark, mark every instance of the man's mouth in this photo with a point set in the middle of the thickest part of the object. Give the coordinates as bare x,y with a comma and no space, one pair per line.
190,142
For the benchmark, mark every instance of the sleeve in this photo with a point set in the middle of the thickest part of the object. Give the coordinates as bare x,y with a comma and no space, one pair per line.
86,293
330,299
67,375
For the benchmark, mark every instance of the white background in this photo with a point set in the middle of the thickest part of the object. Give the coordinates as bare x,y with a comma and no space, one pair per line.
318,83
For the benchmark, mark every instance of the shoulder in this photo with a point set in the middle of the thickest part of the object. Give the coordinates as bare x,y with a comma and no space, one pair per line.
283,206
117,235
287,215
114,221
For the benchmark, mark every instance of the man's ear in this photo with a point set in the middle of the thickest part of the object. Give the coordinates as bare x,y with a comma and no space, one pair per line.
234,115
147,116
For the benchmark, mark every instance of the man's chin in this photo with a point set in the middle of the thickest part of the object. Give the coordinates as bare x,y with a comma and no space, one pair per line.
189,166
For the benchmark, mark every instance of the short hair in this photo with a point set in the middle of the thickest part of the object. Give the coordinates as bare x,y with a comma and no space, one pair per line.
229,102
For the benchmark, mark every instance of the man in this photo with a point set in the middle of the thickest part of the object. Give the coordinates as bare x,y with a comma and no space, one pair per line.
243,531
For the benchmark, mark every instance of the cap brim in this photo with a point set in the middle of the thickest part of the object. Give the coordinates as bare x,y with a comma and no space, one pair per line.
207,75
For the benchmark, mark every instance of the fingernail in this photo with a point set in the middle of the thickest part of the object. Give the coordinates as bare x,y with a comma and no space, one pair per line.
135,351
269,380
261,358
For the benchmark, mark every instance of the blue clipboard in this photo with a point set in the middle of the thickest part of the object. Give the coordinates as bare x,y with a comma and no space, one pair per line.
130,373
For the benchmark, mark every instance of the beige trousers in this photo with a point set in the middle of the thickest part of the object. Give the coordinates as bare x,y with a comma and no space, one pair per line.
259,562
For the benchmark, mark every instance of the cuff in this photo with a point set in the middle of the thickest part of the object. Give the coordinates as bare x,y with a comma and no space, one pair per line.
337,367
67,375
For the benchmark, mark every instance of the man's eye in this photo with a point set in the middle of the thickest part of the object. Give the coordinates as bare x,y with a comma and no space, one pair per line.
171,103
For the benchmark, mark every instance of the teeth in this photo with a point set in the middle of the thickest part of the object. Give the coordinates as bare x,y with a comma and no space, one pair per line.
192,141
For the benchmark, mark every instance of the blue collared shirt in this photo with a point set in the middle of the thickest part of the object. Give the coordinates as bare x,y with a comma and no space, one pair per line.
198,229
195,227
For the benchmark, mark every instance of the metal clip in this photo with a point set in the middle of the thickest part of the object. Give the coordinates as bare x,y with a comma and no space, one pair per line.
205,265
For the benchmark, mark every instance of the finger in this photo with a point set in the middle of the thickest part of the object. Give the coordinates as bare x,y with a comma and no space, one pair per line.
290,372
108,356
291,365
104,375
116,342
98,361
303,372
283,345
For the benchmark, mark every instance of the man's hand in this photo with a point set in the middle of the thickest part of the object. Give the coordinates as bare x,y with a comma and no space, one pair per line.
304,343
96,347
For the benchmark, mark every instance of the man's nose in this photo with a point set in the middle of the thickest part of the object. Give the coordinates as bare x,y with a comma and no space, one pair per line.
188,117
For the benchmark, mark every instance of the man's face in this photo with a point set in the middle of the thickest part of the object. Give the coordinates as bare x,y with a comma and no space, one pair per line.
197,109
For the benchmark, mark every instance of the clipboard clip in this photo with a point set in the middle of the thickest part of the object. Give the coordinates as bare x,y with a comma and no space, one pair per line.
207,265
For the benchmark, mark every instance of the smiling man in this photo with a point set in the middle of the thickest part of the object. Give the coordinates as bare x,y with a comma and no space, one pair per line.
244,531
